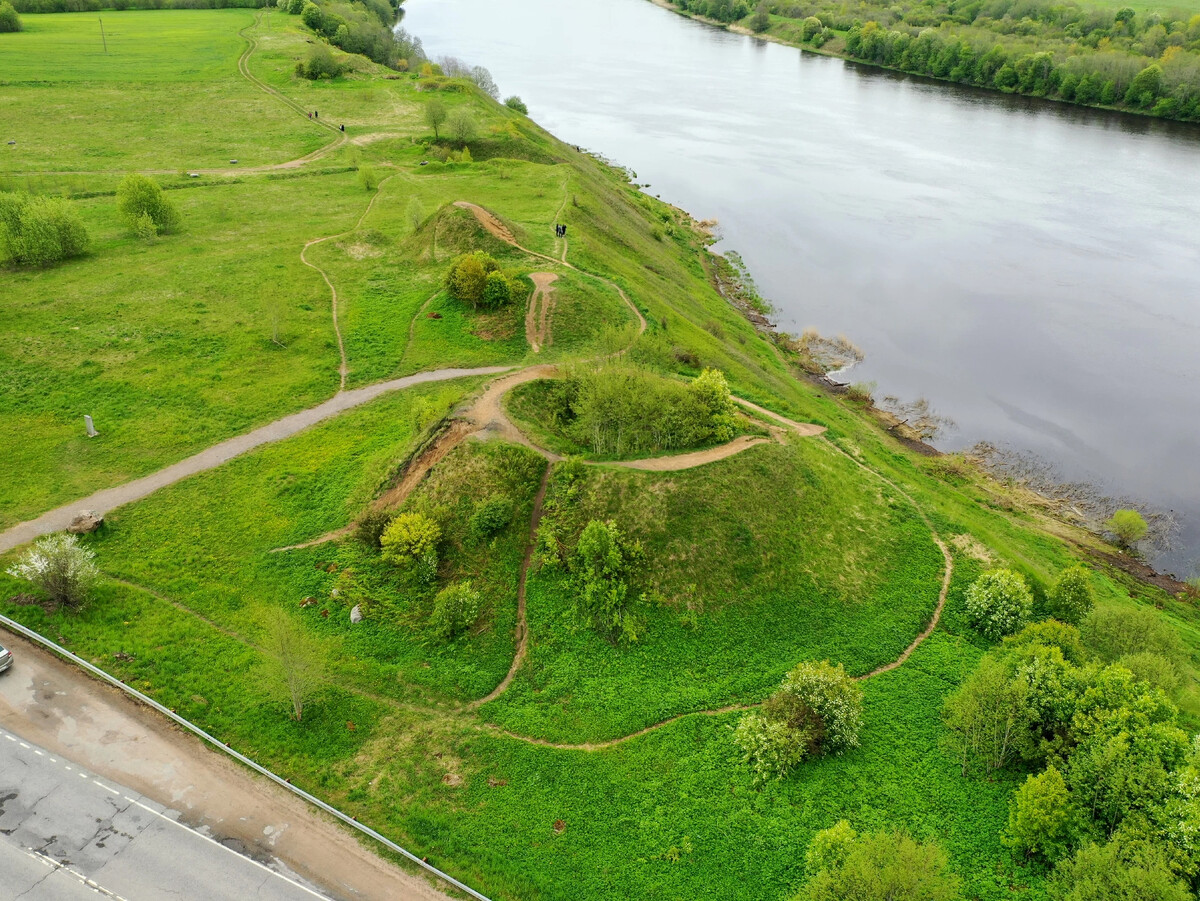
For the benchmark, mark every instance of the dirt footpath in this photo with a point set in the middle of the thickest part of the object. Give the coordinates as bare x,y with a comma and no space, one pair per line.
52,704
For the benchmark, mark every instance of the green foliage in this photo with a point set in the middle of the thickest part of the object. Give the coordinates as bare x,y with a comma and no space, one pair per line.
139,196
370,527
761,20
881,866
491,516
319,63
293,666
9,20
817,710
467,277
38,231
603,564
830,847
462,126
60,568
499,289
1072,597
434,112
1115,632
987,717
1128,527
998,603
145,228
363,27
409,538
1154,669
368,177
516,103
455,610
1042,820
1111,872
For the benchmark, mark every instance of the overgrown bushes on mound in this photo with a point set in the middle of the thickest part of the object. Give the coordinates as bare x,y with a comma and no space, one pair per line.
616,409
879,866
476,278
38,231
362,27
816,710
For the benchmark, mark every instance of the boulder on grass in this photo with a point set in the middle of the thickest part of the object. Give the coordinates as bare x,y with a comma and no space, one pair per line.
86,521
356,614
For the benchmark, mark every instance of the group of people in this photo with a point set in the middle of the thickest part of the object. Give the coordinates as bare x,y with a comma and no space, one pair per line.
316,114
560,231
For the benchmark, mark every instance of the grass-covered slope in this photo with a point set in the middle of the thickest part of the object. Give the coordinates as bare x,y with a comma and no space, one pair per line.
795,548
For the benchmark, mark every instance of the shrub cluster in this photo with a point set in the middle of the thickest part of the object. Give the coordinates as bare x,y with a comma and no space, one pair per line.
477,279
883,865
998,603
145,208
38,231
9,20
360,26
617,409
455,610
319,64
721,10
817,710
602,567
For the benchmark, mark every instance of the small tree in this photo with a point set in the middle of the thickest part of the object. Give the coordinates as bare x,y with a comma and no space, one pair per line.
462,126
137,195
882,866
454,611
1114,873
60,567
466,280
1129,527
761,20
38,231
1042,821
602,564
988,717
410,537
491,516
414,213
294,669
319,64
811,28
711,388
1115,632
9,20
435,115
497,291
1072,598
816,710
998,603
516,103
370,527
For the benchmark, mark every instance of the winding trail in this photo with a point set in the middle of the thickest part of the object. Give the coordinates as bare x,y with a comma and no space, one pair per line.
541,305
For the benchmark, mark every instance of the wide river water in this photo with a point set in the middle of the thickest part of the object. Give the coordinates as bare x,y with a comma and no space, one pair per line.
1031,268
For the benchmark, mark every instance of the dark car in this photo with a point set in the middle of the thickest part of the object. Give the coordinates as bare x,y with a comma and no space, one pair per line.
5,659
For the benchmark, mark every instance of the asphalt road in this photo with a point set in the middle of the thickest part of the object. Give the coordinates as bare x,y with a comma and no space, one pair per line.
66,834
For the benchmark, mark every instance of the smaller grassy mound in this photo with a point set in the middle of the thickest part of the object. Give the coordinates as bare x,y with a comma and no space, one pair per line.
618,412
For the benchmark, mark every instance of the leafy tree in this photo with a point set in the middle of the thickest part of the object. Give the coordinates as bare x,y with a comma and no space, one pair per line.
410,537
9,20
435,114
38,231
145,228
998,603
61,568
370,527
497,291
462,126
881,866
711,388
816,710
1129,526
1115,632
455,610
987,717
1054,634
491,516
761,20
294,668
602,566
1041,818
516,103
295,7
1072,598
811,28
319,64
467,278
1112,873
138,195
1155,670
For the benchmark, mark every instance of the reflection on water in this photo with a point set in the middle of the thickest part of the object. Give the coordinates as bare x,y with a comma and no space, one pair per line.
1030,267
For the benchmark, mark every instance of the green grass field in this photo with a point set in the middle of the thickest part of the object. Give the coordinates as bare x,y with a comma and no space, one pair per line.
810,548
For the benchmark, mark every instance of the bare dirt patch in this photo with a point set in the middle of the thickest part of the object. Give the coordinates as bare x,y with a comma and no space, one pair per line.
541,305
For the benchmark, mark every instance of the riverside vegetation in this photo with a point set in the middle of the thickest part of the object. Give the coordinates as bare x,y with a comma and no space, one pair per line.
1144,59
814,666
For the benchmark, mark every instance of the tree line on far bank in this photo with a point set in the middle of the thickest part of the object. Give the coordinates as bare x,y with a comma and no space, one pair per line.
1148,62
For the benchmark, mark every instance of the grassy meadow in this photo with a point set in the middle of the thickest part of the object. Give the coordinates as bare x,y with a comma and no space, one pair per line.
802,549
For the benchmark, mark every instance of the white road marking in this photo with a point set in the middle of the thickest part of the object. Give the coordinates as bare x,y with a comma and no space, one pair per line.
55,865
106,788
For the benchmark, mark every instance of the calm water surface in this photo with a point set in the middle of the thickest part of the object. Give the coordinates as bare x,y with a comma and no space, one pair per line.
1032,269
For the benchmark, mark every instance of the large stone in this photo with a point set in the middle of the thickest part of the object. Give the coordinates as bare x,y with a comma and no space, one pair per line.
86,521
356,614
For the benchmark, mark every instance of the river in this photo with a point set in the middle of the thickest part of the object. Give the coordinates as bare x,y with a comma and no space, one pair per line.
1032,269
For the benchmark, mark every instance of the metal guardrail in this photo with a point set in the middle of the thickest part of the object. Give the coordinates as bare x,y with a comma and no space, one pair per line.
221,746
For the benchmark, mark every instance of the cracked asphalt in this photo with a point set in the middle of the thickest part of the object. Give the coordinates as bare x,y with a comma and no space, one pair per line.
67,834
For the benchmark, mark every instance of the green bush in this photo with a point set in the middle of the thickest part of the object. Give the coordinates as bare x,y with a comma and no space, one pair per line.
38,231
410,537
1042,821
1115,632
467,277
1072,598
816,710
9,20
455,610
602,566
462,126
60,567
1128,527
516,103
1114,873
881,866
998,603
1155,670
370,527
295,7
319,64
138,196
490,517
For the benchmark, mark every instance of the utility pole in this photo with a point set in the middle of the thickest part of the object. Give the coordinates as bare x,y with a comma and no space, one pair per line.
102,37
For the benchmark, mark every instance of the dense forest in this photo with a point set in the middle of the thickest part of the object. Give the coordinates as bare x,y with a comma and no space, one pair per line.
1148,62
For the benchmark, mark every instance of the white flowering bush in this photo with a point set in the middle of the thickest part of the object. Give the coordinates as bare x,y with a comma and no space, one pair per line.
817,710
998,603
60,567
